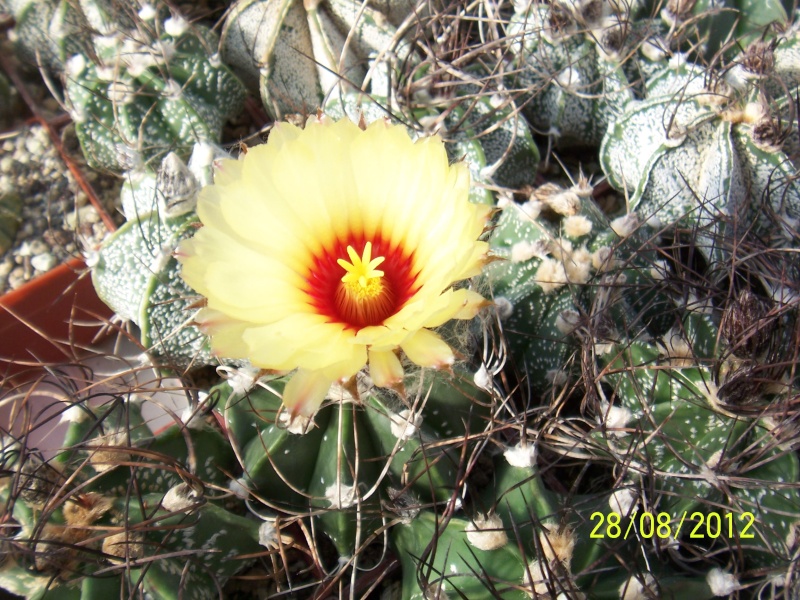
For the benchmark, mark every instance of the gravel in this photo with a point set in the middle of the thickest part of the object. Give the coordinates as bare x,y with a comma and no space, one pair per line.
57,220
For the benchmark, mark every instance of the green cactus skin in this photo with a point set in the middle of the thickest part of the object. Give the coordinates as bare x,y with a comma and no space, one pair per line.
294,54
556,249
158,89
723,26
570,71
702,457
340,468
438,559
702,154
135,272
120,490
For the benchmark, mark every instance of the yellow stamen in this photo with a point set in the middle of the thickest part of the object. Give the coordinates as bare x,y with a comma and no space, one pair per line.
362,279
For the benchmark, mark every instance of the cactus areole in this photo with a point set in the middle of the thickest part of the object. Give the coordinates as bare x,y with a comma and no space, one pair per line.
312,255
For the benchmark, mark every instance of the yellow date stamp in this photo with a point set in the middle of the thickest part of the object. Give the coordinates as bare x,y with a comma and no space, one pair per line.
663,525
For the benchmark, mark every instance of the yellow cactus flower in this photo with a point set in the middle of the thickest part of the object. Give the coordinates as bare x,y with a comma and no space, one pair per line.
330,247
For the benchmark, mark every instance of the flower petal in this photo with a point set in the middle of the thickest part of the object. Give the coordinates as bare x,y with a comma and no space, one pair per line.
427,349
305,392
385,368
464,304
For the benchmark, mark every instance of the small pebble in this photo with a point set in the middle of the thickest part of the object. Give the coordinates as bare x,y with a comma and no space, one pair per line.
43,262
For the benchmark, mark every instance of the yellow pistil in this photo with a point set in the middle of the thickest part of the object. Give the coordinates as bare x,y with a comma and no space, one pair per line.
362,279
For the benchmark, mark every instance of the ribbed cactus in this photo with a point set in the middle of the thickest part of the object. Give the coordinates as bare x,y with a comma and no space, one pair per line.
705,149
122,508
158,88
294,54
135,272
354,456
575,65
591,305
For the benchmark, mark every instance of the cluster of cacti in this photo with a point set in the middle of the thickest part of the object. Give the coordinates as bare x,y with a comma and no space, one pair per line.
669,393
121,508
138,81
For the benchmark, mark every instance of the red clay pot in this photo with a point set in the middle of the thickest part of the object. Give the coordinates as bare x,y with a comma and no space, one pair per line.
48,320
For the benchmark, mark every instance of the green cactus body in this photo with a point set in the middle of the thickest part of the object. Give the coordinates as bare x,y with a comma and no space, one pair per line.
150,93
722,26
701,156
570,68
669,425
119,515
438,560
294,54
542,282
339,468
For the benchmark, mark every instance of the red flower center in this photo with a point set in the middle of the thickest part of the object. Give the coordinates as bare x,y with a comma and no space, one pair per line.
349,284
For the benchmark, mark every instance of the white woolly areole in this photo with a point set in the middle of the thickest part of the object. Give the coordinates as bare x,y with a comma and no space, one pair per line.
634,589
483,379
175,26
299,425
268,535
74,414
537,577
567,321
565,203
504,307
615,418
341,496
147,12
569,78
551,275
241,380
192,416
522,456
485,532
173,89
601,257
105,73
531,209
180,498
722,583
75,66
625,225
405,424
579,266
557,543
622,500
557,377
238,488
577,226
524,251
655,49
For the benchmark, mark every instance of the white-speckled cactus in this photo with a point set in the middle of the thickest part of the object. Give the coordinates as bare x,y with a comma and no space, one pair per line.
135,272
557,248
576,64
707,149
122,510
144,92
679,406
139,81
295,53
